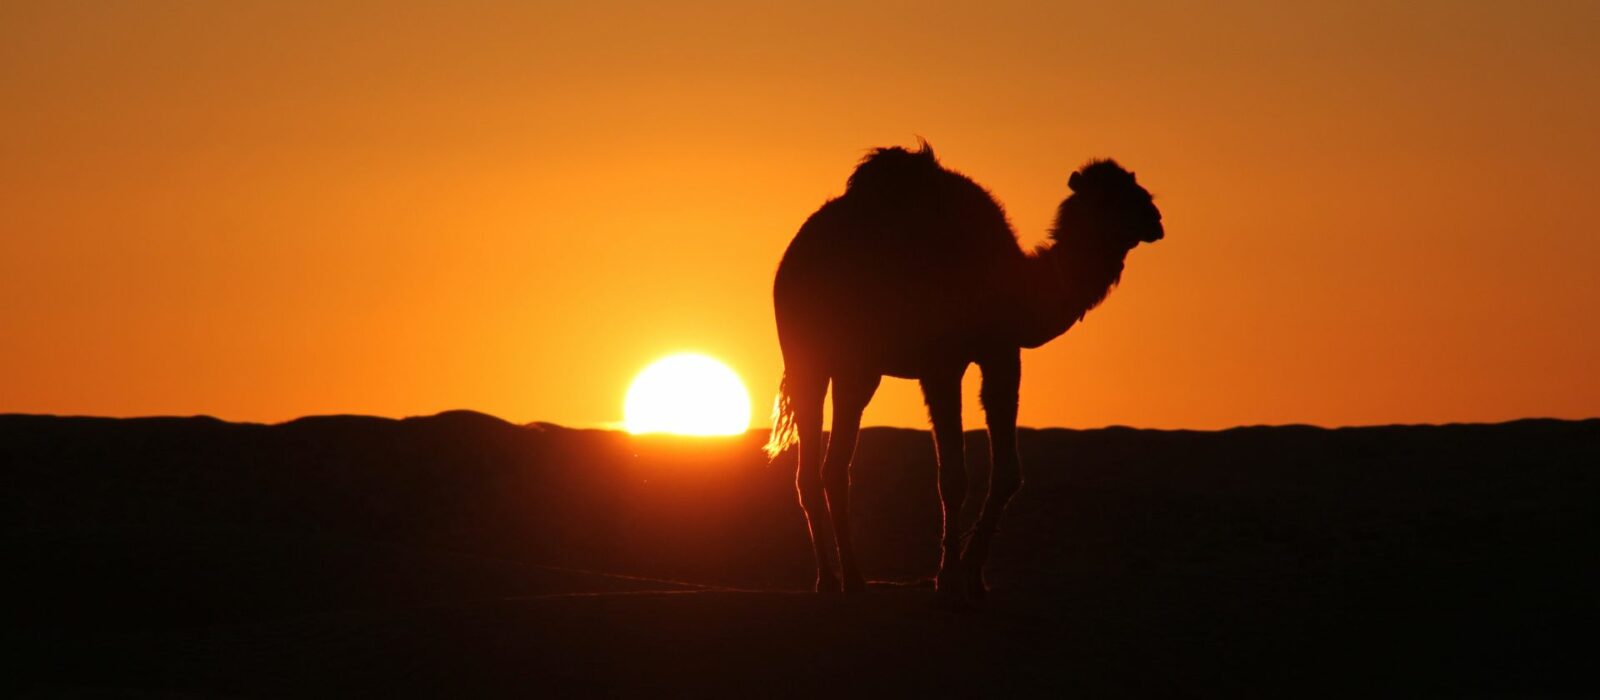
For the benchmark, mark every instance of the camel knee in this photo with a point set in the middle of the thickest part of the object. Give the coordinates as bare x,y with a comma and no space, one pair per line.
836,485
952,491
810,488
953,484
1005,484
835,477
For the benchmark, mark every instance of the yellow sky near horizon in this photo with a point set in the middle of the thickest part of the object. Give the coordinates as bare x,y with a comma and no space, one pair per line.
1376,212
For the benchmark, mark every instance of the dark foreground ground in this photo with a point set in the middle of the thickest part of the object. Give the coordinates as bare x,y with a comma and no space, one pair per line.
462,556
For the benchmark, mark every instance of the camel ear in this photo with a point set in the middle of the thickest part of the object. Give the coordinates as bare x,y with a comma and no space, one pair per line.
1072,182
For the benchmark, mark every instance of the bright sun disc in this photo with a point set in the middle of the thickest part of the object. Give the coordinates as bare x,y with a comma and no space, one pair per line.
687,395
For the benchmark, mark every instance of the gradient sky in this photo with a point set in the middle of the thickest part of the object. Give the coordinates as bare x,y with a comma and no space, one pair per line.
1375,213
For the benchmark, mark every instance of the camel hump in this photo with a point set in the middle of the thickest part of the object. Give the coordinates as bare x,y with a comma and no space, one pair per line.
894,167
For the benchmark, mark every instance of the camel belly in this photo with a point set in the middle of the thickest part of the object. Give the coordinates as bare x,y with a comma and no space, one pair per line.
901,346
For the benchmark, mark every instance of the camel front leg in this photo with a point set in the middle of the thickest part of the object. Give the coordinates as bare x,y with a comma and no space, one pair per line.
942,393
850,397
1002,376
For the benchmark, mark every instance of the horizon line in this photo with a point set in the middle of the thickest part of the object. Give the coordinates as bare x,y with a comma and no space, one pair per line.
615,426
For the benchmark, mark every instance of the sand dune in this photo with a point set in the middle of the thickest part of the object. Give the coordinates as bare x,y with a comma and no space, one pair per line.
460,555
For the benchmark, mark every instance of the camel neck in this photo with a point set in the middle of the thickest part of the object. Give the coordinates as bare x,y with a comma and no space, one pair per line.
1089,269
1070,279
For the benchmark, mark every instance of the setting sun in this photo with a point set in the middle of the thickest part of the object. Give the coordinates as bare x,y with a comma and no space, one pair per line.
687,394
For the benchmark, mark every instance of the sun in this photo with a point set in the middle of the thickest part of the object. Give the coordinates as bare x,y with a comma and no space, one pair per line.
687,394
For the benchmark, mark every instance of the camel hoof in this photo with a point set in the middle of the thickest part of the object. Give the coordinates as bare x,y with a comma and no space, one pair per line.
952,600
827,584
976,589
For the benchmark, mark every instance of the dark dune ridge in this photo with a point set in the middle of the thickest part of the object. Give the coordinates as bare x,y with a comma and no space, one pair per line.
462,554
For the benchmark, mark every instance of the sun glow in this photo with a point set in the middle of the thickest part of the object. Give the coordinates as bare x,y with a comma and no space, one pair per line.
687,394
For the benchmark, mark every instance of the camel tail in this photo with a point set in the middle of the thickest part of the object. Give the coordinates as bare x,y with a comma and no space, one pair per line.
785,431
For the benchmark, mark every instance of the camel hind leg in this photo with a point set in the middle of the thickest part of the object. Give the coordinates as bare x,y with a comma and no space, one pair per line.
1002,376
806,393
850,396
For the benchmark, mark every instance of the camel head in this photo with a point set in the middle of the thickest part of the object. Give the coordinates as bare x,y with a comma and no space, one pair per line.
1108,206
1107,215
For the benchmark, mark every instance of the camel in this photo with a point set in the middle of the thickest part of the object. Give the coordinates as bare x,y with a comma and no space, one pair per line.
915,272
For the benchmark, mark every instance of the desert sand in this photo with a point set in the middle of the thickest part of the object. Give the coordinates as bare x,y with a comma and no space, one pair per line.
459,555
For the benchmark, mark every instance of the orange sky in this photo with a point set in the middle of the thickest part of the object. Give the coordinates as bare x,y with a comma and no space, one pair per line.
1375,214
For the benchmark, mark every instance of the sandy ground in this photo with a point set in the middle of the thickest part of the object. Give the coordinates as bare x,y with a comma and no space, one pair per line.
459,557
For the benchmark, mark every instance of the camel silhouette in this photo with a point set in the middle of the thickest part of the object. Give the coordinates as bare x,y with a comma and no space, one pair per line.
915,272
